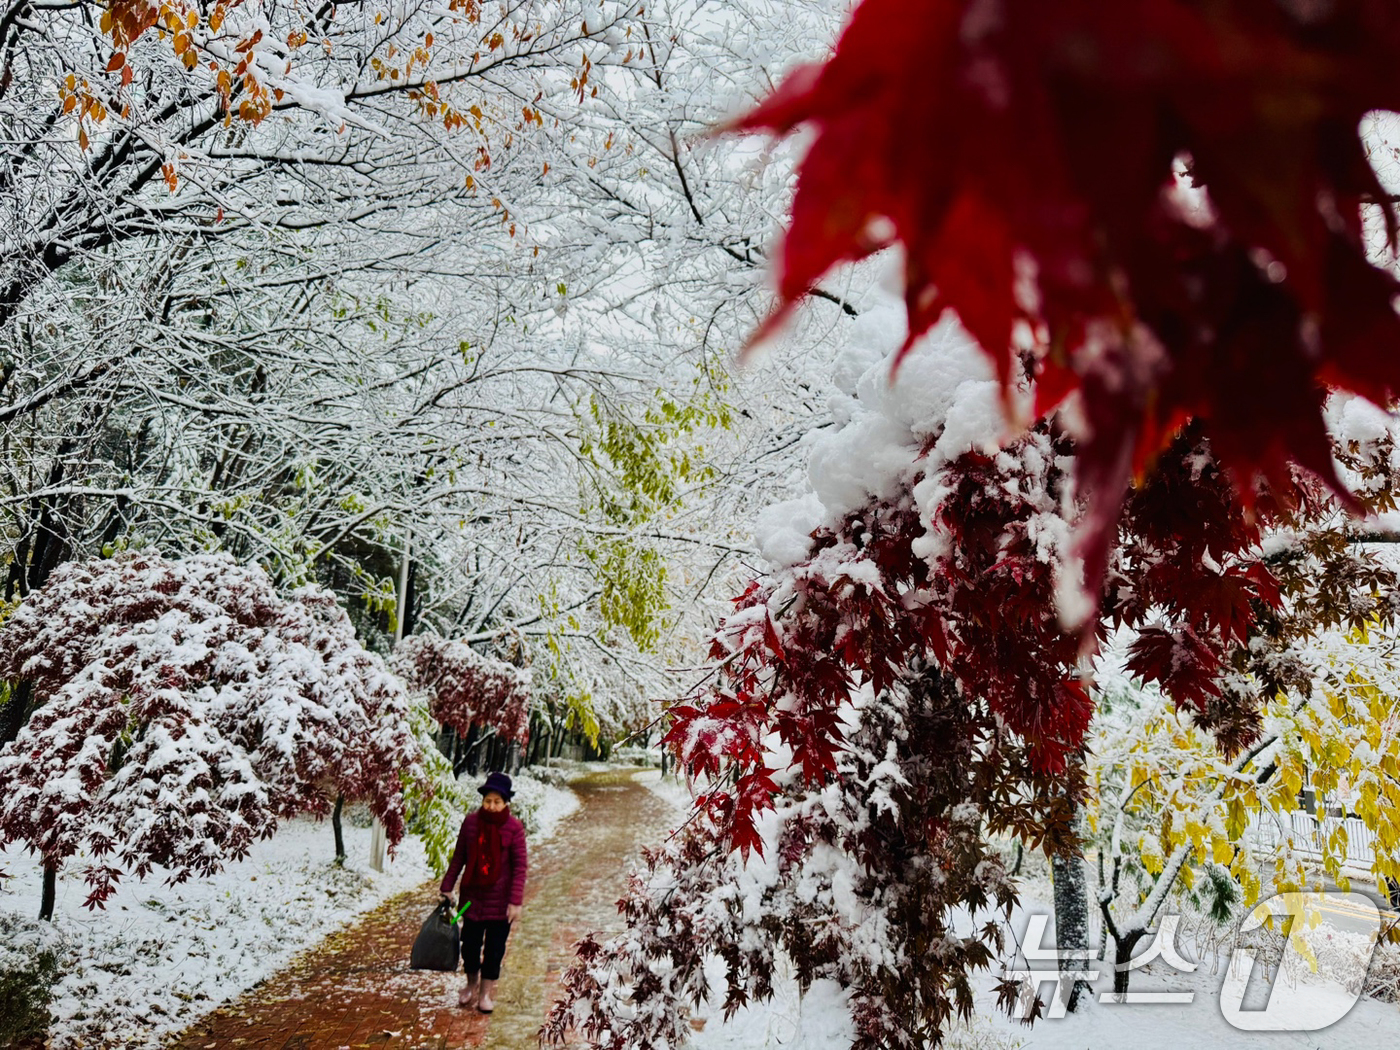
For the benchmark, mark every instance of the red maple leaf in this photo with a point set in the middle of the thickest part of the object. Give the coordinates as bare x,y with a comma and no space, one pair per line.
1178,660
1027,156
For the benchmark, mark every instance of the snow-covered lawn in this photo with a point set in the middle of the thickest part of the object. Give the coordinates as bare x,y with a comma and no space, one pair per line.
160,956
670,788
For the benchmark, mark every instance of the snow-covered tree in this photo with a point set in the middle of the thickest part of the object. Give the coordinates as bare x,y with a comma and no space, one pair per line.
465,689
184,708
388,328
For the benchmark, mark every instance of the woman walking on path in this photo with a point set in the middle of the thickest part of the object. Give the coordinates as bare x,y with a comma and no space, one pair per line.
490,855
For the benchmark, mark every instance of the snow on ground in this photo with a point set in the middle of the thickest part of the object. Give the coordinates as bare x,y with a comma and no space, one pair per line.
816,1021
161,956
819,1020
541,806
1200,1023
670,788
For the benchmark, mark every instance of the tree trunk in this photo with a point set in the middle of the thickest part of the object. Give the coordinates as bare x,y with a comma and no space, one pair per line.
339,831
1071,919
50,892
1123,957
410,596
494,757
467,762
16,712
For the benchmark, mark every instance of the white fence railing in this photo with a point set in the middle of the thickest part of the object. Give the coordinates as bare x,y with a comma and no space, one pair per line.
1307,834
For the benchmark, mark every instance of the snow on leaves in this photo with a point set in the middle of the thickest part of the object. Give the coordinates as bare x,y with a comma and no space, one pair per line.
1162,197
935,600
185,707
464,688
865,608
856,886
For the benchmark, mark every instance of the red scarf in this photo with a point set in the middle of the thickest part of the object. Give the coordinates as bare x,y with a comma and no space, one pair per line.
484,858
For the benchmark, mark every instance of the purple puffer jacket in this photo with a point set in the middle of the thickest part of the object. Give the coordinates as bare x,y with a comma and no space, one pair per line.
509,888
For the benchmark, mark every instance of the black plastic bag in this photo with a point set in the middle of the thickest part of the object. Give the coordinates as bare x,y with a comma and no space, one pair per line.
439,941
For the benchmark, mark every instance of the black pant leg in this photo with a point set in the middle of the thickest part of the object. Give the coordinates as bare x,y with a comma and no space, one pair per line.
472,932
497,930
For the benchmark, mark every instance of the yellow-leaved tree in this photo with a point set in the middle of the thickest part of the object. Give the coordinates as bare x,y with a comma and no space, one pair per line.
1317,794
1314,793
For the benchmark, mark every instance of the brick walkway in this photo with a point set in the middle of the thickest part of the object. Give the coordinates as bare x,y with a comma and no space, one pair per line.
355,989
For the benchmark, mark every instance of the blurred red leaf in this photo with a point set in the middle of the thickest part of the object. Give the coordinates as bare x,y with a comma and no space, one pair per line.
1023,154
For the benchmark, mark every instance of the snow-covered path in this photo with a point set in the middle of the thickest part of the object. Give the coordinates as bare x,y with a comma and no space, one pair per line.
355,989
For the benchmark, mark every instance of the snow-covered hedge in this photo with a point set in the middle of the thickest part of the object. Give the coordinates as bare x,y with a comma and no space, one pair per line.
635,755
556,775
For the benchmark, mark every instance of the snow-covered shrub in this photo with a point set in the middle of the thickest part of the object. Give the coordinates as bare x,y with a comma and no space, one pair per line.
464,688
975,1033
1383,978
185,707
30,964
634,755
1340,954
527,799
556,776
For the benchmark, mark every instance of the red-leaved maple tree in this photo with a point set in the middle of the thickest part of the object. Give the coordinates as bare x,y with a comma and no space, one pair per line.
886,706
185,707
464,688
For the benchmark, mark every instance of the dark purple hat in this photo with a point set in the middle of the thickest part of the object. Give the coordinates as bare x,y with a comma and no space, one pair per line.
497,782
